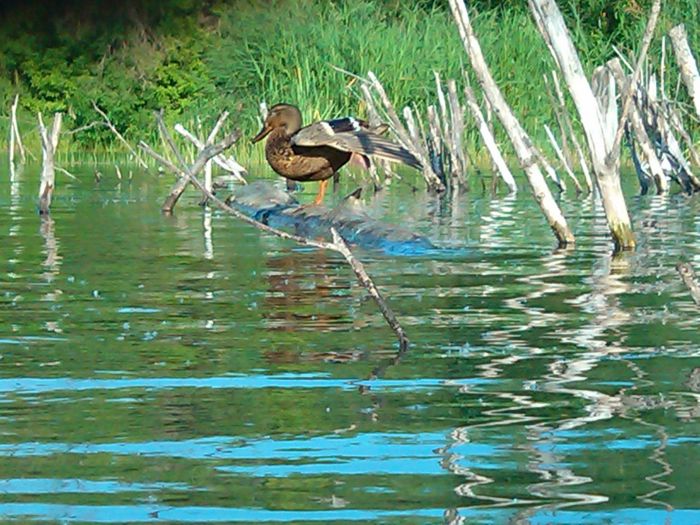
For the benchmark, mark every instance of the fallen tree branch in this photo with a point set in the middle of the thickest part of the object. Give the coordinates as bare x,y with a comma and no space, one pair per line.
338,245
688,275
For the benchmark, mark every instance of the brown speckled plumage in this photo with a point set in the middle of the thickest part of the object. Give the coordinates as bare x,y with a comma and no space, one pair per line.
317,151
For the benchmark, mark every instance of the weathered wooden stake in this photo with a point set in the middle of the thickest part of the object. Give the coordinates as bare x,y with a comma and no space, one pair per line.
686,63
119,136
596,113
523,145
49,143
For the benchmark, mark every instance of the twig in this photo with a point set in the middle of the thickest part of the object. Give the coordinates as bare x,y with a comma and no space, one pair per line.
119,136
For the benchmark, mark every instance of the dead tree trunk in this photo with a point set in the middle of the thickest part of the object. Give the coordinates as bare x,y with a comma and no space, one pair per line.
523,146
686,63
49,143
602,133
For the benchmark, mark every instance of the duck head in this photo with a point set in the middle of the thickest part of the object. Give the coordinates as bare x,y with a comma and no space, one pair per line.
280,116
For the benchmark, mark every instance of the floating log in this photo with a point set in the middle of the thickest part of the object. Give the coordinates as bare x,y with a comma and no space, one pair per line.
266,202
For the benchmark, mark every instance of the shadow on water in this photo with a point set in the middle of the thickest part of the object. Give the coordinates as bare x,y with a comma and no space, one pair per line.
189,369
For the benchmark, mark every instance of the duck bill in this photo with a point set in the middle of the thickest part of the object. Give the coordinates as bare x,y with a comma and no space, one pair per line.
263,133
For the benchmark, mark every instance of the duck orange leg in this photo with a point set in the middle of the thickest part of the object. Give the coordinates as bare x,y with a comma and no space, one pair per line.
321,192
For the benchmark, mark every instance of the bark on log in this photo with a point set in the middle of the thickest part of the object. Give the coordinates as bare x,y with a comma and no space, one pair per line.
49,143
521,142
686,63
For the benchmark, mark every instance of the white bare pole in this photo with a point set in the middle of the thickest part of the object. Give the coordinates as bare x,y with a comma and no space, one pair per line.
596,118
518,136
227,163
489,140
686,63
562,157
570,127
15,137
432,180
49,143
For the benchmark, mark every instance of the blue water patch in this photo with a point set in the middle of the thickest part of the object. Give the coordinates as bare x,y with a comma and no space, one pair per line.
137,310
28,385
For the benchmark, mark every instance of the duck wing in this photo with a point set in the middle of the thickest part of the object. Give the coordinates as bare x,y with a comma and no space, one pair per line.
352,135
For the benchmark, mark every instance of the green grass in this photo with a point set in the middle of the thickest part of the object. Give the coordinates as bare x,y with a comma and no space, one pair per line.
285,50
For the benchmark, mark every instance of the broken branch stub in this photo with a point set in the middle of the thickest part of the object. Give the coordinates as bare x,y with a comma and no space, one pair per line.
49,143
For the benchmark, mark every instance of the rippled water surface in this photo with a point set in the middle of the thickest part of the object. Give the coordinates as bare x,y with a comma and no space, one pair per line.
191,369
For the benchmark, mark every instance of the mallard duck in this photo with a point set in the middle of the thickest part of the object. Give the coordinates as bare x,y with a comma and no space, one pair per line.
319,150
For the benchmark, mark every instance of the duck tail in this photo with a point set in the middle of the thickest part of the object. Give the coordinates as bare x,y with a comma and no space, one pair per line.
386,149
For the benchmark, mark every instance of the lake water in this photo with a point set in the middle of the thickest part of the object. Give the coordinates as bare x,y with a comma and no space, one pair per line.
192,369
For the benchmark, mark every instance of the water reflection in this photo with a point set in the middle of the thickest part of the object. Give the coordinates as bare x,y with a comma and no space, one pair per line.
233,377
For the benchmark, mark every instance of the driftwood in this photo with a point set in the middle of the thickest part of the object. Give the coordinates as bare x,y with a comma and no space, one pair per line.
603,132
49,143
188,174
267,203
403,136
649,154
523,145
686,63
562,157
687,274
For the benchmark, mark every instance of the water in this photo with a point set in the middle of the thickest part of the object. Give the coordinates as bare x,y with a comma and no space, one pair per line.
191,369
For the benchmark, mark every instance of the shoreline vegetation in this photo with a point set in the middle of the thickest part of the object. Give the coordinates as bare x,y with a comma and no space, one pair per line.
194,61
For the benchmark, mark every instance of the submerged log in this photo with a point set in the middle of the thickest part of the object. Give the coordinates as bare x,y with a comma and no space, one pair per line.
269,204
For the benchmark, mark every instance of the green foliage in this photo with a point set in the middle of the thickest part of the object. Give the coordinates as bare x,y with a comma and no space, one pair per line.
193,59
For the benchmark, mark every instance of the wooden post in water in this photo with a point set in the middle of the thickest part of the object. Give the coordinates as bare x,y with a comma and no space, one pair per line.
686,63
597,114
49,143
523,145
15,138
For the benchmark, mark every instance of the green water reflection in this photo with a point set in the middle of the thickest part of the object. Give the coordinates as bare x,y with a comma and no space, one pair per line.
190,369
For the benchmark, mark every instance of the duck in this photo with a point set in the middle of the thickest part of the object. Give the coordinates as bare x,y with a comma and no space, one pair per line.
317,151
